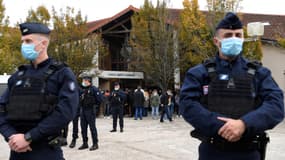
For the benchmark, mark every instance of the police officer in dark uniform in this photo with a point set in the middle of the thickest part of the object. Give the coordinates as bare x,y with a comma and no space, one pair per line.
75,128
117,100
231,101
89,99
40,100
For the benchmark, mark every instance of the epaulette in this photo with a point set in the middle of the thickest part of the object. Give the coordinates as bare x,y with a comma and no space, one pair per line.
58,64
23,67
53,67
209,62
253,66
210,65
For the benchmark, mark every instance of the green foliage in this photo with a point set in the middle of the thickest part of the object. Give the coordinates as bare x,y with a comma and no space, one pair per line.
153,41
195,39
252,49
40,15
69,40
281,42
71,44
9,44
217,10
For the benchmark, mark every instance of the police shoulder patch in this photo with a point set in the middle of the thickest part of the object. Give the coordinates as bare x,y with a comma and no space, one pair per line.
71,86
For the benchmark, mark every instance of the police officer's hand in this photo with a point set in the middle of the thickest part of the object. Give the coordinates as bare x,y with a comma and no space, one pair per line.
18,143
232,130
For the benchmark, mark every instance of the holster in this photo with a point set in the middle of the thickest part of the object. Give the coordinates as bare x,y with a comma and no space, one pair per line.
55,141
258,142
262,149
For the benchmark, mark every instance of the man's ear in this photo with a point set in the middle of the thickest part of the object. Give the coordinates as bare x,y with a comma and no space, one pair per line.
216,41
45,42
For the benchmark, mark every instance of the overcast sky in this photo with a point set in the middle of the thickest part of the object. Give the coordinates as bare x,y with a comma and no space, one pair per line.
17,10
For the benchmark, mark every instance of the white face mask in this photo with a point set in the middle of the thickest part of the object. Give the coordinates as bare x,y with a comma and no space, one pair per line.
116,88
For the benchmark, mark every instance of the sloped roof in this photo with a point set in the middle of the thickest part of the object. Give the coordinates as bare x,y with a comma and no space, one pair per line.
94,25
275,30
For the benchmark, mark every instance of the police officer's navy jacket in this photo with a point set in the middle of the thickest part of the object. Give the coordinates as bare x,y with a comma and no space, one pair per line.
117,98
90,96
61,84
267,115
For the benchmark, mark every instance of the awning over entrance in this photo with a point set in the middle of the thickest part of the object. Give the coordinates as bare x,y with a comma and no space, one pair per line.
121,75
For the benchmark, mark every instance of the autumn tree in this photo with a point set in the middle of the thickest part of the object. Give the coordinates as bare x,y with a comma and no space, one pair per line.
41,14
252,47
195,40
9,44
217,10
153,40
70,41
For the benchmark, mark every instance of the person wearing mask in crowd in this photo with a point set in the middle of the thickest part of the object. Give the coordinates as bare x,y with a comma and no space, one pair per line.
154,102
117,101
231,101
90,98
41,99
139,102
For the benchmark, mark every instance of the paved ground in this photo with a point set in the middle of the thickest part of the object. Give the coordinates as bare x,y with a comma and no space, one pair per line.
149,139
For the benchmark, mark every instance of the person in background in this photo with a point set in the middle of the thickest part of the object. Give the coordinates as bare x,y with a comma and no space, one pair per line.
117,101
154,102
139,102
146,103
164,103
90,98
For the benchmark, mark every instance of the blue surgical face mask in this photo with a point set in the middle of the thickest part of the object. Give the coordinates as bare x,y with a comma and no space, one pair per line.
231,47
84,84
29,52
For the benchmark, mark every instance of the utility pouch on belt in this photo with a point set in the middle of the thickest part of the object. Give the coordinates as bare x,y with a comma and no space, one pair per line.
258,142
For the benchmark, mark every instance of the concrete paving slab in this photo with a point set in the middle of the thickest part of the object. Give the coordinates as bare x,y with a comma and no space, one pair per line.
150,139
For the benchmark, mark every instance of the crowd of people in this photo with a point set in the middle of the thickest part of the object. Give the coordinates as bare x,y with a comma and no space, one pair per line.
117,104
141,103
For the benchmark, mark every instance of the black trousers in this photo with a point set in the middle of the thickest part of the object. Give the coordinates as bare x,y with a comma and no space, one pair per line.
88,117
208,151
41,151
75,127
118,111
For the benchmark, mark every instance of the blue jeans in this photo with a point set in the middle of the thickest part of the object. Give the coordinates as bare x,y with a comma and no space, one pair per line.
154,111
106,110
171,109
139,110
